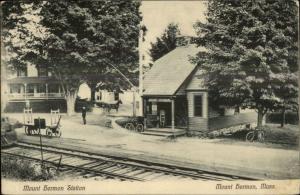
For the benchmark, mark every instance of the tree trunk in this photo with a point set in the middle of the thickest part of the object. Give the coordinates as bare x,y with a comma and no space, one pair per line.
4,87
282,117
260,116
71,98
93,92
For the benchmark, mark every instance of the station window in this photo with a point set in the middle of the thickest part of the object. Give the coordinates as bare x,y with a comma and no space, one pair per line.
198,106
154,108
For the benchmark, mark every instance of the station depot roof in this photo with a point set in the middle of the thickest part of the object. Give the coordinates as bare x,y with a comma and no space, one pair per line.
170,71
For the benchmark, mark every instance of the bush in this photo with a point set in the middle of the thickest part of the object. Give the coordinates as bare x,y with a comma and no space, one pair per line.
290,118
23,169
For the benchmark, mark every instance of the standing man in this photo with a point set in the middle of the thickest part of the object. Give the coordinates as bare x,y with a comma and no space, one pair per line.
83,112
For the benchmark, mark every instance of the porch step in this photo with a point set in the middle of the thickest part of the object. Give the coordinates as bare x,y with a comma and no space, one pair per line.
164,133
155,133
160,130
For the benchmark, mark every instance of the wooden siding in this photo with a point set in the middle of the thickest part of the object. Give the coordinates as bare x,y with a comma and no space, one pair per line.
198,124
182,89
228,121
196,82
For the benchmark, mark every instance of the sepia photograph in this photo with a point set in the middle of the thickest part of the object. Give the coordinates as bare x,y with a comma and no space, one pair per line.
150,97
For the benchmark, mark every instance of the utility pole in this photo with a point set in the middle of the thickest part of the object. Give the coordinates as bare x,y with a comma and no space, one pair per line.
141,72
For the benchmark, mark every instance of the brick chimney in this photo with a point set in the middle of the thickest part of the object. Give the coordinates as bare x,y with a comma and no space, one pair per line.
183,40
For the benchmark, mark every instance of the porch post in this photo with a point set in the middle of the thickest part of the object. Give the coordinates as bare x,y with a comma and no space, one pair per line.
59,91
173,113
145,112
47,90
25,91
35,90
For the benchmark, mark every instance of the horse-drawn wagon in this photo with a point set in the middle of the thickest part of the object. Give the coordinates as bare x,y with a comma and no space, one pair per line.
107,106
34,126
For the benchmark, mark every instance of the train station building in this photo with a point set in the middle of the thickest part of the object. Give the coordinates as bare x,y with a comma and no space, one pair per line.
175,97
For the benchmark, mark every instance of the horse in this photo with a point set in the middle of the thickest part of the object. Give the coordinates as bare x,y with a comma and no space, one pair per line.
109,106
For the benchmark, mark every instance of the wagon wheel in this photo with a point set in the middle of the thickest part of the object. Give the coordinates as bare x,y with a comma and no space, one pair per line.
49,132
140,128
129,126
57,132
27,131
36,131
250,136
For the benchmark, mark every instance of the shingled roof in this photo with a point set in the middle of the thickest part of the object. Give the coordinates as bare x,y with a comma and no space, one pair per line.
170,71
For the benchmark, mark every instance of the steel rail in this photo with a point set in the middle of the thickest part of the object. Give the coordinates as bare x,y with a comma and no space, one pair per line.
79,168
146,166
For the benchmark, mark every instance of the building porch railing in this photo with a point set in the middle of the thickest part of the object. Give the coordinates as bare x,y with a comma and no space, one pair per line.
23,96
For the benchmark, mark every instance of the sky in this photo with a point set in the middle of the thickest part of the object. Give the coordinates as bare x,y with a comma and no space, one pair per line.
156,17
158,14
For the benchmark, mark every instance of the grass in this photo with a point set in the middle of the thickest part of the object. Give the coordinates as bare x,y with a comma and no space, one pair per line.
289,134
25,170
286,137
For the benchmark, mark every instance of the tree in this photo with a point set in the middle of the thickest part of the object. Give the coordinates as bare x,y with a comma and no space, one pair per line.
15,28
82,39
287,90
121,27
252,53
166,43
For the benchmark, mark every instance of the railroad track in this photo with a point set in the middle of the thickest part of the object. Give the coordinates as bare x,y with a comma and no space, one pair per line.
92,165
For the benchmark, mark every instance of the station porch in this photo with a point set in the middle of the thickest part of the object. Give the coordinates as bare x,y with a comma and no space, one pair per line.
165,113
